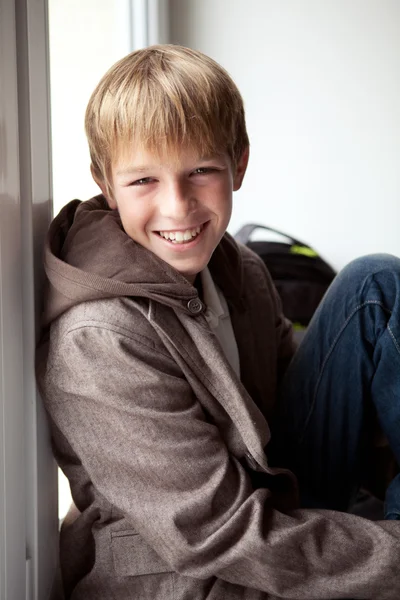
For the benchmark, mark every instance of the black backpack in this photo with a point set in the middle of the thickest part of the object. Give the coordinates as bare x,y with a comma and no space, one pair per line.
301,276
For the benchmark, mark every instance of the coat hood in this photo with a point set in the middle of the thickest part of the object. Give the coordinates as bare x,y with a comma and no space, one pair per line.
88,256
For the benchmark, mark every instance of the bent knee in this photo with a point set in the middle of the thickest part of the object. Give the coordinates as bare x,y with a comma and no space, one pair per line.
370,265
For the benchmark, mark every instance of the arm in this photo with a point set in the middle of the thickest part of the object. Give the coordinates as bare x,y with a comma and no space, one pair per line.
145,441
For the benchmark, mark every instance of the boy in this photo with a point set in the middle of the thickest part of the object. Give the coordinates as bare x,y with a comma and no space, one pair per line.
161,369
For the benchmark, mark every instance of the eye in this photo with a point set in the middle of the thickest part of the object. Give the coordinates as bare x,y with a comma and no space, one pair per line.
204,170
142,181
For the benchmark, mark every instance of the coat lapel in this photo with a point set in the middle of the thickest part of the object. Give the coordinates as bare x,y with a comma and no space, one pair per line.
201,352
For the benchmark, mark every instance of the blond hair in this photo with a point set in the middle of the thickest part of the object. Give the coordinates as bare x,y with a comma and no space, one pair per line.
164,97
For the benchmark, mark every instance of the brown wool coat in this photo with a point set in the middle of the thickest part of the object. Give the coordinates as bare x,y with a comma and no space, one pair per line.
161,441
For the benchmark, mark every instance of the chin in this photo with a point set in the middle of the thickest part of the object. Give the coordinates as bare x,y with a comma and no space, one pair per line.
191,268
191,274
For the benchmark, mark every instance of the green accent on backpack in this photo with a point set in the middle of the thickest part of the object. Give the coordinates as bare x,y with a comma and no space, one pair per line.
304,250
298,326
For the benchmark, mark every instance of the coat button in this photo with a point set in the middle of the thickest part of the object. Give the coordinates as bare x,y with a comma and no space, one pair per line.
195,306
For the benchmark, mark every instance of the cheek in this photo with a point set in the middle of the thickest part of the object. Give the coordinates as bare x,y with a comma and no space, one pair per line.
135,213
221,193
224,196
227,189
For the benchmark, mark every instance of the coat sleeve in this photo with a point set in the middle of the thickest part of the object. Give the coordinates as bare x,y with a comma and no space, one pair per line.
147,445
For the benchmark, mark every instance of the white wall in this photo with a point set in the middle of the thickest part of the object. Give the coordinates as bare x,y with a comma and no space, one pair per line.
321,84
86,38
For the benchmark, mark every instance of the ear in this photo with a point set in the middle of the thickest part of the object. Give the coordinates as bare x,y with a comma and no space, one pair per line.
101,183
241,169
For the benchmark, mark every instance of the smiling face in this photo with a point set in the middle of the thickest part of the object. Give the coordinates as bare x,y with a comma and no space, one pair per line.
177,207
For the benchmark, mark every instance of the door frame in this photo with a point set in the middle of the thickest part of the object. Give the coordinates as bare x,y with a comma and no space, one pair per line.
28,482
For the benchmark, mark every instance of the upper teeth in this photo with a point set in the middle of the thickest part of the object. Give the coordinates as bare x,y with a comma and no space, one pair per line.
180,236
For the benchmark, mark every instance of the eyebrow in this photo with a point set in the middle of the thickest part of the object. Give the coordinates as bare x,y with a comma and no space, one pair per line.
129,171
132,170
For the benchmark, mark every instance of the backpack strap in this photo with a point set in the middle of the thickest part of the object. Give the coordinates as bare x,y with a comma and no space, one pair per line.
245,232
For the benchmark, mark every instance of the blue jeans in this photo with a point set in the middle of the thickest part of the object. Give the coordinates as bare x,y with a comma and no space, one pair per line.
344,377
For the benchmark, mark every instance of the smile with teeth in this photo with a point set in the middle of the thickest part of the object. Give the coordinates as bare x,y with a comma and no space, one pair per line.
181,237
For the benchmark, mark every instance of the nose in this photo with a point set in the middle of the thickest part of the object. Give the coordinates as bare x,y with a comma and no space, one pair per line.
177,201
